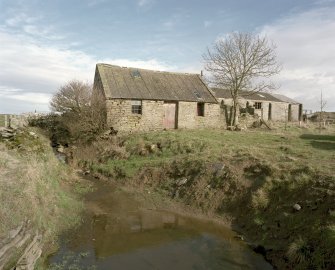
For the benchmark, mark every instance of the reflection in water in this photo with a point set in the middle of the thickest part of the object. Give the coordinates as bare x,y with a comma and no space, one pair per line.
118,234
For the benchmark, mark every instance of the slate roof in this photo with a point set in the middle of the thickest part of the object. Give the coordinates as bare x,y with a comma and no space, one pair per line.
285,99
133,83
223,93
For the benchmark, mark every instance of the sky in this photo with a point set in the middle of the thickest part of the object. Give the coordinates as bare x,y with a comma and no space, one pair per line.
44,43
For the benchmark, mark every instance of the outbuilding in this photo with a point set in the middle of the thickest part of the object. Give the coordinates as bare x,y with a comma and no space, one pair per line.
268,106
144,100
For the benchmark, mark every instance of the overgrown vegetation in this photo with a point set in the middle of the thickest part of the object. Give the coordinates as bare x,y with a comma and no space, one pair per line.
77,114
257,177
35,186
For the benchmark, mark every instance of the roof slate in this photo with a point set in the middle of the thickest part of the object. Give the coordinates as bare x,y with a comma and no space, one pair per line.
223,93
134,83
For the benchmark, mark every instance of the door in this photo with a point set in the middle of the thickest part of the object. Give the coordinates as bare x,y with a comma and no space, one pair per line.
270,112
169,121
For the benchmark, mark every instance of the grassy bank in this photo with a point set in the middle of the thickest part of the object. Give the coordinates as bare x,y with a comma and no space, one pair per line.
35,186
277,186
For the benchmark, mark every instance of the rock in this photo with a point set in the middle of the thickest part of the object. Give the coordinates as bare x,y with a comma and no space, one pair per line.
87,172
182,181
297,207
289,158
256,124
7,133
60,149
239,237
153,147
33,134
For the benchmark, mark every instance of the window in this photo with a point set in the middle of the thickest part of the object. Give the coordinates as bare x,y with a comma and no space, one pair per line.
136,106
258,105
197,95
135,73
200,109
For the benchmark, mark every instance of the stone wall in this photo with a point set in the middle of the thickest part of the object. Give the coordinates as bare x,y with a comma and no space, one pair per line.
121,118
279,110
13,120
188,118
17,120
21,248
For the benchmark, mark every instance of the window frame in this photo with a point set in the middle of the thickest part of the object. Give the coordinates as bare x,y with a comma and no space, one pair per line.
136,107
201,109
258,105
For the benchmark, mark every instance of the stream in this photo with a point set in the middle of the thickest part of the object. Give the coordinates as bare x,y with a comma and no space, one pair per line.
119,233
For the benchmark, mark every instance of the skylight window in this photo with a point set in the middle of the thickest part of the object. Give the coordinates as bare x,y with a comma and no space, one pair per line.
135,73
197,95
261,95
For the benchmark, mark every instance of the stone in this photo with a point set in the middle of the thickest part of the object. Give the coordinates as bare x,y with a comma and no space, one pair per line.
60,149
289,158
239,237
33,134
297,207
182,181
153,147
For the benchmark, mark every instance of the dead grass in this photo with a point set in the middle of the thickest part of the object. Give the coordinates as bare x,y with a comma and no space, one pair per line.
255,176
32,187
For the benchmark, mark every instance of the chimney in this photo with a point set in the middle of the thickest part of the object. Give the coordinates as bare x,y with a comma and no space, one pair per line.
201,73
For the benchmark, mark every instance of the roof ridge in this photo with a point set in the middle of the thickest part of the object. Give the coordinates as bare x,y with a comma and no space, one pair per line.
152,70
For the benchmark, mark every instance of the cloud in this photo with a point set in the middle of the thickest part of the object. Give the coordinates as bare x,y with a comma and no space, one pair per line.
32,71
207,24
305,47
176,19
153,64
143,3
20,18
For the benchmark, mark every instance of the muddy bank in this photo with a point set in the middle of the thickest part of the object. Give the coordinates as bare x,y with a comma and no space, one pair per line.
273,190
122,232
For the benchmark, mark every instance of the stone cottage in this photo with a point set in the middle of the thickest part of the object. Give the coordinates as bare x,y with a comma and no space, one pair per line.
145,100
269,107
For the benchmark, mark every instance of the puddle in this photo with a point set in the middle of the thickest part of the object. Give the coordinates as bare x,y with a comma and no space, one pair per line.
118,233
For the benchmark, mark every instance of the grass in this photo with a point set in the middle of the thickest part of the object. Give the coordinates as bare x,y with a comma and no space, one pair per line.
255,176
34,185
2,120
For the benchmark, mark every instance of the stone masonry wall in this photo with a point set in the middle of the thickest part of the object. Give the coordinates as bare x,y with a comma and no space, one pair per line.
188,118
120,117
279,109
295,112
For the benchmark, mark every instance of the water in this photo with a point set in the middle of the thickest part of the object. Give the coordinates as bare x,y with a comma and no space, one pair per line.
118,233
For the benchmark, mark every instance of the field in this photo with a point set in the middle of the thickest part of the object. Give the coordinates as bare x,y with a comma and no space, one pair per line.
35,186
278,186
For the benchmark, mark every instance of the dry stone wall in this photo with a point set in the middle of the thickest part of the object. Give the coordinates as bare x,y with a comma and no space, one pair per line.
21,248
121,118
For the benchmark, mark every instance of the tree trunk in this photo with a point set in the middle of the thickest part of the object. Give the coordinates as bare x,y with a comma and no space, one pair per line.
233,118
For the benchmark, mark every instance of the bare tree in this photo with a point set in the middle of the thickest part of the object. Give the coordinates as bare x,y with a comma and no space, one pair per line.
323,104
72,97
82,113
241,61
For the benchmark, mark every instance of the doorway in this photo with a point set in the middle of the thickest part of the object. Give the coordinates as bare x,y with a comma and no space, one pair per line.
170,115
